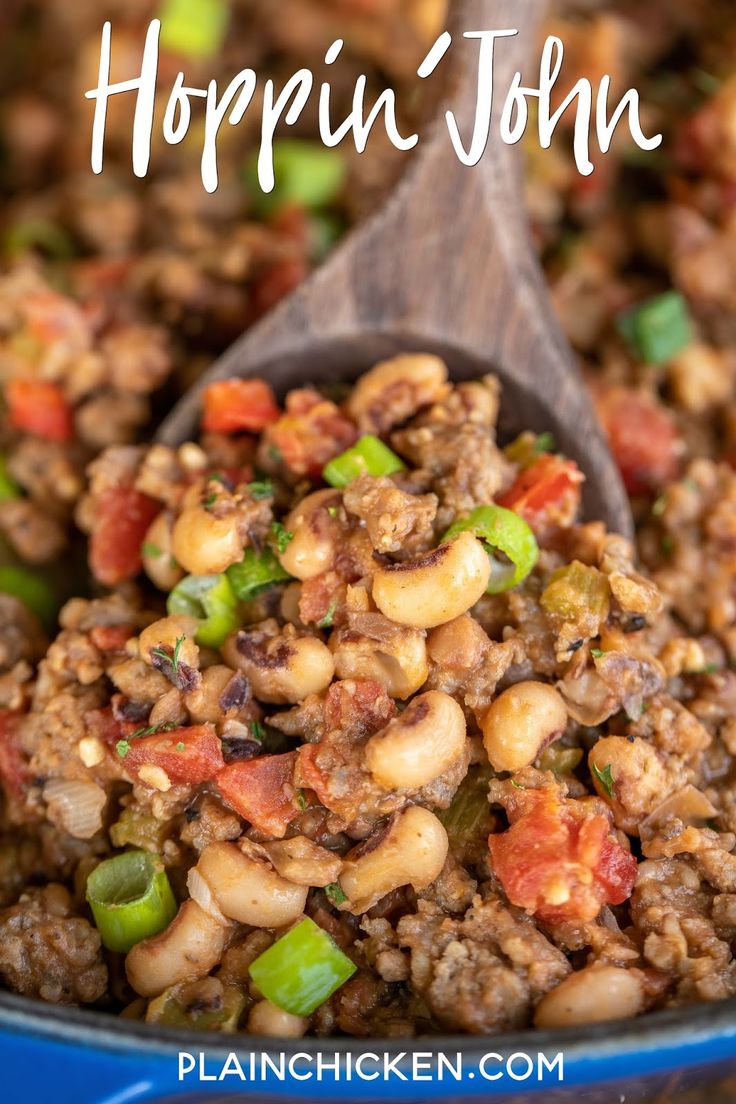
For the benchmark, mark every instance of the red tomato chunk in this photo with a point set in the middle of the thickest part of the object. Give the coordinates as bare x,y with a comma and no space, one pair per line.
123,516
239,406
547,493
311,432
262,791
643,439
186,755
39,408
559,859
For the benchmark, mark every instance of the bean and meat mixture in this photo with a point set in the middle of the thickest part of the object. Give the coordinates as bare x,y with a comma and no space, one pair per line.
350,724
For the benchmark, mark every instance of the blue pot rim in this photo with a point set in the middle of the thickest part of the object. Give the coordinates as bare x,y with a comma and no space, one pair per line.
677,1039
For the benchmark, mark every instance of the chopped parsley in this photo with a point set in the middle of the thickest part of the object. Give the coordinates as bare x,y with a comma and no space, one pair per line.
301,800
122,747
210,500
335,893
544,442
150,550
597,653
709,669
153,730
329,617
257,731
281,536
166,656
181,746
261,488
605,777
333,511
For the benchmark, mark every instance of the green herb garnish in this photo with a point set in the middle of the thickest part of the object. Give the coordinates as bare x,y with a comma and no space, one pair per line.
167,656
329,617
281,536
261,488
122,747
335,893
605,777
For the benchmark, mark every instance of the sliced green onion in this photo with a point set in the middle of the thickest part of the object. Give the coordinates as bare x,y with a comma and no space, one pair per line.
503,531
194,28
577,593
9,489
301,969
32,589
130,898
469,819
211,600
307,174
186,1005
658,329
369,455
256,572
41,234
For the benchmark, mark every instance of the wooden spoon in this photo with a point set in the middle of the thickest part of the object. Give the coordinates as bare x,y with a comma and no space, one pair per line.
447,267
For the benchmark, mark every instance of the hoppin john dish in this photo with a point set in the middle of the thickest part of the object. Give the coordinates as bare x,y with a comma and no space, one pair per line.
410,747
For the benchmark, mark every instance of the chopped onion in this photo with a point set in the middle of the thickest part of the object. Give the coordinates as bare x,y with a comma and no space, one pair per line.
76,807
201,893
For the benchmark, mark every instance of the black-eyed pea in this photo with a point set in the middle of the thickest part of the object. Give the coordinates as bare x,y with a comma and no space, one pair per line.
411,851
205,544
282,668
207,702
411,380
420,744
266,1018
398,661
188,948
170,633
245,886
592,995
157,555
314,535
436,587
521,722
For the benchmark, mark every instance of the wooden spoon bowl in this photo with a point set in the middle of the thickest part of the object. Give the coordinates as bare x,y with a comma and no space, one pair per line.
446,266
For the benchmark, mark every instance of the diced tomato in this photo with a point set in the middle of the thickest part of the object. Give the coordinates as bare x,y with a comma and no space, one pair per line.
277,281
311,774
239,406
559,859
13,769
643,438
111,638
122,518
547,493
311,432
262,791
106,727
39,407
186,755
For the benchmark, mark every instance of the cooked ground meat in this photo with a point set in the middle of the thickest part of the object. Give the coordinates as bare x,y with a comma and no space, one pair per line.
47,951
484,972
323,732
